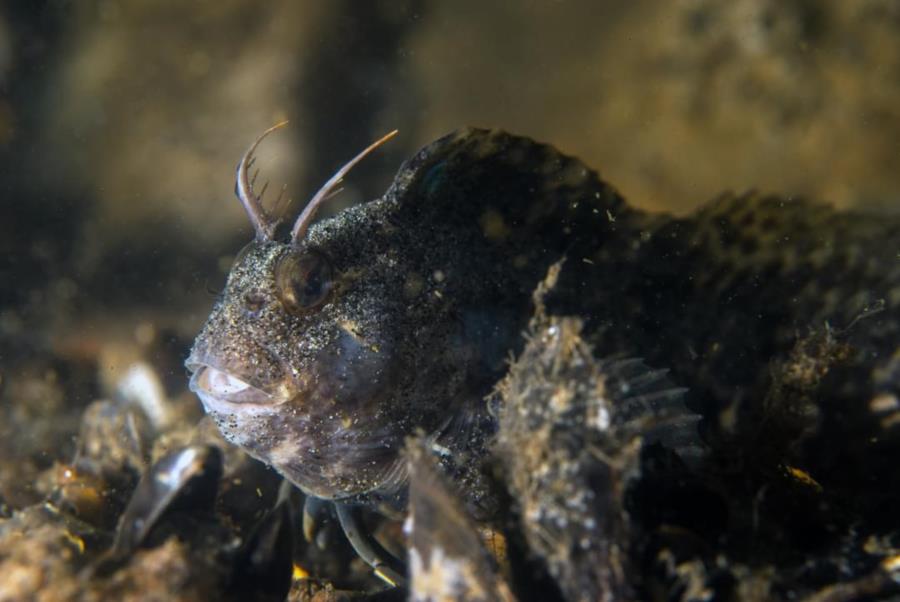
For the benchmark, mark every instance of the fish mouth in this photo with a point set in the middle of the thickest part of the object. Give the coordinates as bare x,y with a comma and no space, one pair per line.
220,388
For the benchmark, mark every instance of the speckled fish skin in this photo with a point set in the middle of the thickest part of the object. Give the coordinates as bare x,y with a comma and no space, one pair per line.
433,291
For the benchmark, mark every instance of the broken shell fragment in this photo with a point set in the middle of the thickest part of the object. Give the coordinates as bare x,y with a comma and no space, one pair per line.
447,557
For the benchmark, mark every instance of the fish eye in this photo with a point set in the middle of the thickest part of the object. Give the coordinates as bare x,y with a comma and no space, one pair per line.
303,281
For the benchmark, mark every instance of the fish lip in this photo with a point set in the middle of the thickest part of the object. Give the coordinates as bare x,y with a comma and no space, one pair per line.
250,396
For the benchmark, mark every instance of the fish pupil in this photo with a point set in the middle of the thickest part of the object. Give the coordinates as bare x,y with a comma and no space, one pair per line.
311,288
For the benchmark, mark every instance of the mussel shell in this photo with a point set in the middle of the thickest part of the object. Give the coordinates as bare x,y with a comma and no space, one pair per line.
185,479
263,567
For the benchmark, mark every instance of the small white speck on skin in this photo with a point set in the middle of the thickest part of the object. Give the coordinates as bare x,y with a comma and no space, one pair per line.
440,449
600,418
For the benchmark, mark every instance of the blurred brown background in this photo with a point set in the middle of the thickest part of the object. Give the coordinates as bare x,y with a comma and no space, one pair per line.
121,121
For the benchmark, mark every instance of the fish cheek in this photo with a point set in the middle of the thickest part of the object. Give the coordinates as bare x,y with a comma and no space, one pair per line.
354,373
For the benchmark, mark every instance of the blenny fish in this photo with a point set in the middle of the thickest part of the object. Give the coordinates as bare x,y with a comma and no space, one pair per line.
328,348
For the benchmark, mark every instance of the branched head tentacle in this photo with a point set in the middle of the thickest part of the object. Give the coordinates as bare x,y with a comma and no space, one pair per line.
262,222
282,201
298,233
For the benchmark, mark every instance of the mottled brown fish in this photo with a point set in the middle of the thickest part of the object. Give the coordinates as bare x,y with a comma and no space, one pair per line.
398,316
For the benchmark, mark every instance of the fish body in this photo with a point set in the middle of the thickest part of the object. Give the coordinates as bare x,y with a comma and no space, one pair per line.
398,316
